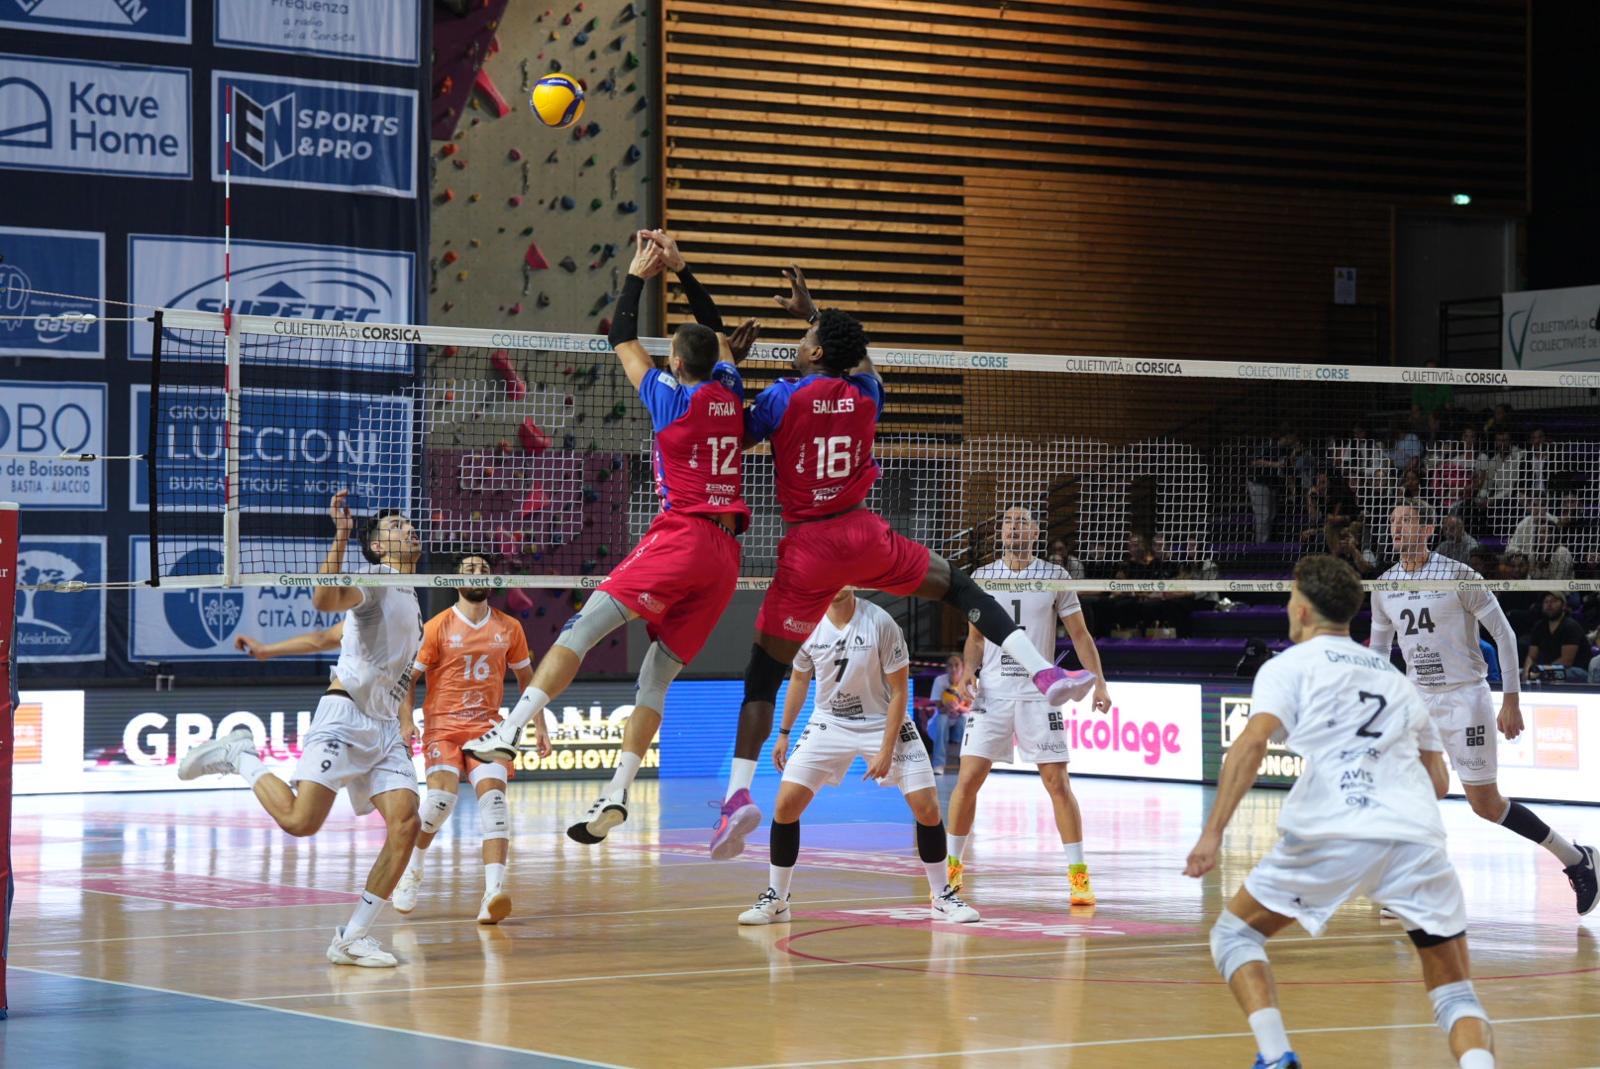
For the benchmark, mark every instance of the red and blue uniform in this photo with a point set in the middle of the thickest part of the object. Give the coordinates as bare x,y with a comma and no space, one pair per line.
822,429
682,574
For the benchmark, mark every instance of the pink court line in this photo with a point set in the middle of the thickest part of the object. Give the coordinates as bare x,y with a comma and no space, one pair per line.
786,944
186,889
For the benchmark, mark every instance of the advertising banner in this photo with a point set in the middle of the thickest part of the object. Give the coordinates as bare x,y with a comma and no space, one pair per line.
296,449
378,30
51,626
305,134
201,624
271,278
38,423
56,262
1551,330
155,20
1151,732
102,118
132,740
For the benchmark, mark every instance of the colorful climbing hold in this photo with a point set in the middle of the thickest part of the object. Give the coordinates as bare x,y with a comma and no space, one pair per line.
534,257
568,203
568,264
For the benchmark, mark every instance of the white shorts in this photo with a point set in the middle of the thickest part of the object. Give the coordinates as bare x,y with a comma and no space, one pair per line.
1465,719
1308,879
826,748
347,748
1040,733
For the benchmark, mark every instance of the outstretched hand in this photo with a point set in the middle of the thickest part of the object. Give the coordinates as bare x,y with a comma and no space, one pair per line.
798,301
672,259
648,259
743,337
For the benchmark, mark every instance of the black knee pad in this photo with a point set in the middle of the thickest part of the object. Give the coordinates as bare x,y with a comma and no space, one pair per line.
1422,940
784,843
931,845
763,676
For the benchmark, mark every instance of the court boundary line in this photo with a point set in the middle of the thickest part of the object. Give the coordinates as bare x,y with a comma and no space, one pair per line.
324,1017
733,970
1087,1043
463,919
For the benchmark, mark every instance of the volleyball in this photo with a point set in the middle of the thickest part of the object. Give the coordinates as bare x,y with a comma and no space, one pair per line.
557,100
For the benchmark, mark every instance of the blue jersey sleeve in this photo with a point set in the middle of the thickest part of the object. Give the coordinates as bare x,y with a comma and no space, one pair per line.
729,376
664,398
761,421
872,386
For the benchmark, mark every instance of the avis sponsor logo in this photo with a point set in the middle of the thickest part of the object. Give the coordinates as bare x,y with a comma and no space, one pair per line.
315,134
799,627
92,117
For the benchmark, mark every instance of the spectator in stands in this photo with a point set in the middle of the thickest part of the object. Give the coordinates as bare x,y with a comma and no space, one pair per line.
1430,397
1331,505
1556,640
1411,488
1500,420
1536,538
1406,454
1136,614
1473,508
1269,474
1362,460
1536,462
1454,541
1503,481
1060,555
1343,544
1484,561
949,711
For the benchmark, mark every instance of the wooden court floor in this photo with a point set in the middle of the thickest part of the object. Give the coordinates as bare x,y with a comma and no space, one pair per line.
181,929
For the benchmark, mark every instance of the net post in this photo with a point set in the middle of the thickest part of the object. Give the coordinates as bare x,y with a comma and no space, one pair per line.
8,701
151,446
230,477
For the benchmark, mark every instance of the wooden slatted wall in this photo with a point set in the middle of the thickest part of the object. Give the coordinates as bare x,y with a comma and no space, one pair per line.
1125,177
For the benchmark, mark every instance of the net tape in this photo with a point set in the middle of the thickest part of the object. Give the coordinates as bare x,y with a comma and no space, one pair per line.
943,489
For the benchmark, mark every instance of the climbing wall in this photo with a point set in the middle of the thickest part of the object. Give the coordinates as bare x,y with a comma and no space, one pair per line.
531,227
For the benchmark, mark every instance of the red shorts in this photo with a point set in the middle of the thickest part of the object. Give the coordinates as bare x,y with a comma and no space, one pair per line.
679,578
441,747
816,560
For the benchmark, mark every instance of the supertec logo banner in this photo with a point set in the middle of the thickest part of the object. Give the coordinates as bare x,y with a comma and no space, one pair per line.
103,118
315,135
271,278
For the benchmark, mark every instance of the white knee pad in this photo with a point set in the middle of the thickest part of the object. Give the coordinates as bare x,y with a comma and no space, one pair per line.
658,669
436,806
601,615
493,817
1234,944
486,773
1455,1002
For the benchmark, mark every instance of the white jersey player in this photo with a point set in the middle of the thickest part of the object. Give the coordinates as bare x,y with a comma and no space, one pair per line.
355,739
1438,635
858,658
1361,820
1005,705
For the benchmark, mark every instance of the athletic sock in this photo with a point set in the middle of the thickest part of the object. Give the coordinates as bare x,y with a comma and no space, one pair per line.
533,699
740,777
628,765
1522,820
779,880
417,855
250,767
1271,1038
1022,650
1074,853
957,844
366,913
494,875
1477,1058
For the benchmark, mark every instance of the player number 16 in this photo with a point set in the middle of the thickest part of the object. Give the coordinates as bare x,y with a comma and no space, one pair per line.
833,456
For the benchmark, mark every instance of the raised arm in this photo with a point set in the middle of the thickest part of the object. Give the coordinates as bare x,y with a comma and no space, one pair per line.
624,336
337,598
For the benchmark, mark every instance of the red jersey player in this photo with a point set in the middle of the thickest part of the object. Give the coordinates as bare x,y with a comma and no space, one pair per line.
681,575
822,426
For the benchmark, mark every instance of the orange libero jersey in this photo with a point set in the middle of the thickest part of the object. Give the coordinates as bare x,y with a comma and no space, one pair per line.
466,666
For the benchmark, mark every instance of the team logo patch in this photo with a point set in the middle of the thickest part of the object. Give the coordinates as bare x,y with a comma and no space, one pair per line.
799,627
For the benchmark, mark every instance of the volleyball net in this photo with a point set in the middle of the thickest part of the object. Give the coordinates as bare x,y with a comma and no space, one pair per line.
532,449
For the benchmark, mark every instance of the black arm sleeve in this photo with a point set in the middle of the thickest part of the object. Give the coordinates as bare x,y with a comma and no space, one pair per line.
700,302
625,324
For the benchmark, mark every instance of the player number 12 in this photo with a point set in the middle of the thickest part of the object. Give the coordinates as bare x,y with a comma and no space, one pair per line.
724,455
